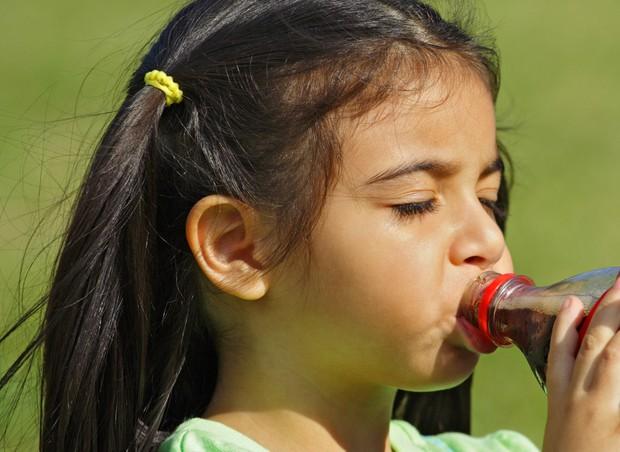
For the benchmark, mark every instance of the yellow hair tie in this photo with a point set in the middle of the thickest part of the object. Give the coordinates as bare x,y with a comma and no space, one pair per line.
162,81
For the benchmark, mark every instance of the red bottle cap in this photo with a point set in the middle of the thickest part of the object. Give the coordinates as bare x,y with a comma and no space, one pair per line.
485,301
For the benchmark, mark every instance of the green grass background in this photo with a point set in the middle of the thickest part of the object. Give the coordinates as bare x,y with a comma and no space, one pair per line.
560,87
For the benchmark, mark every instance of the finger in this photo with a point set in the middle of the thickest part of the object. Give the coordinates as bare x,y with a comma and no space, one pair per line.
606,377
605,323
564,338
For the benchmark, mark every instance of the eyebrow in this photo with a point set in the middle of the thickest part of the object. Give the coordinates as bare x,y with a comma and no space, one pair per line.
437,168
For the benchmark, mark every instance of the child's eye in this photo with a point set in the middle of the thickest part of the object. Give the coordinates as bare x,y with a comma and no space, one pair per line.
415,208
429,206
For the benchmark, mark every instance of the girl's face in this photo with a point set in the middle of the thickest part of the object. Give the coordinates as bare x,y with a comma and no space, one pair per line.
406,228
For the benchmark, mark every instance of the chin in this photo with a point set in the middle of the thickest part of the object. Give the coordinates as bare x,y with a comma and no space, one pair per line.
451,370
441,385
447,376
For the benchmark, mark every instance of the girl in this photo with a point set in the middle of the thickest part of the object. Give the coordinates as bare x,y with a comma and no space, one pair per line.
270,245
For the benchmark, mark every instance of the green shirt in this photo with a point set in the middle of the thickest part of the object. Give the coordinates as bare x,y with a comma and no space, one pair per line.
204,435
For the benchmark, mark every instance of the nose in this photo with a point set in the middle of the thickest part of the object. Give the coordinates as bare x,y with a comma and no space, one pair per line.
478,239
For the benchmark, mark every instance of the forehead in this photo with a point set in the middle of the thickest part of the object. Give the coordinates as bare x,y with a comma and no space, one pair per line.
452,119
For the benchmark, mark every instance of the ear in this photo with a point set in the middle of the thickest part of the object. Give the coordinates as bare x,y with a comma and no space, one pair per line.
222,233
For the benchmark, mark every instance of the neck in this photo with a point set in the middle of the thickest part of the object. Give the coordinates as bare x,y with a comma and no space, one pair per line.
318,409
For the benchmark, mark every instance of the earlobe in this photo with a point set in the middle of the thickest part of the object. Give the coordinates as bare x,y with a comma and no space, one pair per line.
223,234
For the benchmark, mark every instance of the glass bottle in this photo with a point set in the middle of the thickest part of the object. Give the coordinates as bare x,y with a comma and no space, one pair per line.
509,309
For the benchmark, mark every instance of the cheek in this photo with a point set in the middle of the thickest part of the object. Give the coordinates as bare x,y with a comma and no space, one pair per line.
385,273
381,293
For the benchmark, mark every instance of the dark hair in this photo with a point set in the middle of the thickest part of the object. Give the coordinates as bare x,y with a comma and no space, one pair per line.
126,357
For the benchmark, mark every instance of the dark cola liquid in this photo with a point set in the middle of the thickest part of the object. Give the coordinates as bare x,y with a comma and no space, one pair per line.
530,331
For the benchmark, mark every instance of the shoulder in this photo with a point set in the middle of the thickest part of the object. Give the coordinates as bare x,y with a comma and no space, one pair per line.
203,435
404,437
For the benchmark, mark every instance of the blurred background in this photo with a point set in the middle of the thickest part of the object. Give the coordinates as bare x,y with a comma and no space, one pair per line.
64,64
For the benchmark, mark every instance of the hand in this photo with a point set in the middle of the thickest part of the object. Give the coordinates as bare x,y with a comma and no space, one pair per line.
584,391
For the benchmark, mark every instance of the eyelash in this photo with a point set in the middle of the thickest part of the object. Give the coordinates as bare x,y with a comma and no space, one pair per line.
413,209
404,211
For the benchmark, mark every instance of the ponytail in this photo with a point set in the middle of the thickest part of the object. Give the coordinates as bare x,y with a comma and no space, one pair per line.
97,318
120,314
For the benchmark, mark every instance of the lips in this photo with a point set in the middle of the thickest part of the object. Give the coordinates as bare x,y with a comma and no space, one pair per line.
474,339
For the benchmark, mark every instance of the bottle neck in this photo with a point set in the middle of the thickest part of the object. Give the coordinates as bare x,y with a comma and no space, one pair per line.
505,290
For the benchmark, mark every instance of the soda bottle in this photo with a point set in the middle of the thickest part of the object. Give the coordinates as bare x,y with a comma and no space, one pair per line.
509,309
